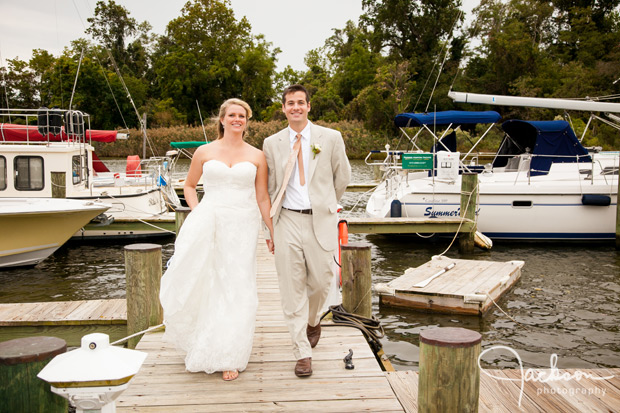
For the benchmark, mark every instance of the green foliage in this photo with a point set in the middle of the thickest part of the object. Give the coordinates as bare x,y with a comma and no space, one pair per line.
208,56
366,73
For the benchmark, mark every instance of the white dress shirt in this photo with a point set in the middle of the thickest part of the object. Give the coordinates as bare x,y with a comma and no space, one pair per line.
296,196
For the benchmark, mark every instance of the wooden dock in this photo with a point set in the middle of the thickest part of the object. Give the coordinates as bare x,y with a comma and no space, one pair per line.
366,225
67,319
352,187
501,392
269,383
470,287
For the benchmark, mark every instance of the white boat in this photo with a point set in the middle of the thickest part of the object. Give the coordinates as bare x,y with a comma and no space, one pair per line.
55,158
541,185
33,228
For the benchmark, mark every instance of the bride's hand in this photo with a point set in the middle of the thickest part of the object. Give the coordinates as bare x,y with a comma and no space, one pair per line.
270,245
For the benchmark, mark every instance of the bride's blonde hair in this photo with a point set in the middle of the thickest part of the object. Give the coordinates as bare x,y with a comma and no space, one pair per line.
224,108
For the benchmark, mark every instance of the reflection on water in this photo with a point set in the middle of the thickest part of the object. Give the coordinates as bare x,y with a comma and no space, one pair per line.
566,302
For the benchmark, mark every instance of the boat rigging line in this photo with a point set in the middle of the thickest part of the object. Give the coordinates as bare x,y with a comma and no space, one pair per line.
445,54
6,95
141,120
201,122
77,74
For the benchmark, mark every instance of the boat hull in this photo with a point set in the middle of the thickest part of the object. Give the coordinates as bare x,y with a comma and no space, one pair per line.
31,234
508,209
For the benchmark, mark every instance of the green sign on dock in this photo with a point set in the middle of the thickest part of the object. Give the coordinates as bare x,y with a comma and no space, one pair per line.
417,161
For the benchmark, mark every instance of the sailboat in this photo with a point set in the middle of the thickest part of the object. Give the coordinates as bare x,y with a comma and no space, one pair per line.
542,184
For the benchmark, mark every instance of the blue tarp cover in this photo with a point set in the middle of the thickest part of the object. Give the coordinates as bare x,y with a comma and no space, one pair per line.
554,138
456,117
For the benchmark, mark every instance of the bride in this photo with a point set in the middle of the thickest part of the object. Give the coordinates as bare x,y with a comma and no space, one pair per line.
209,292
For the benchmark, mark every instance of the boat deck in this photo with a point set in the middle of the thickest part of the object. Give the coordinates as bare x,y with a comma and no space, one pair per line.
470,287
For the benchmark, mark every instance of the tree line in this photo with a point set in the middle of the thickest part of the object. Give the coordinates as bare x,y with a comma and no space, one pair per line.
402,55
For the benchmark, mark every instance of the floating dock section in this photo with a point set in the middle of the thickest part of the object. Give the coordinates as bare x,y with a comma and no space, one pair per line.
67,319
452,286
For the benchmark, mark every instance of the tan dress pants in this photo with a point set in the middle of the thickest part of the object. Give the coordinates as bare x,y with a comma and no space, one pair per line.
304,273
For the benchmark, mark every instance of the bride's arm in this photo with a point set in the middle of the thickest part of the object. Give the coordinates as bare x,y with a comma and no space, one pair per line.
193,176
262,196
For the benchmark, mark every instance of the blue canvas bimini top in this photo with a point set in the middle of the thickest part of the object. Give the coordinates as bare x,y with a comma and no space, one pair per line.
455,117
551,141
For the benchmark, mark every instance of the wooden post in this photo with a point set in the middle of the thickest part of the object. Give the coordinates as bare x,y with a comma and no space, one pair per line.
179,217
143,270
377,172
59,185
20,362
469,185
449,377
356,278
618,216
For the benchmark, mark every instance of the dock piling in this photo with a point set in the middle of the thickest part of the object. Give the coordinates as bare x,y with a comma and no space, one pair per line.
179,217
618,216
143,270
21,360
356,278
449,378
59,185
469,196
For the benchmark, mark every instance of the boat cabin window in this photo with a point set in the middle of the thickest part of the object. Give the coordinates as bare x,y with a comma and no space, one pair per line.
2,173
522,204
77,163
28,173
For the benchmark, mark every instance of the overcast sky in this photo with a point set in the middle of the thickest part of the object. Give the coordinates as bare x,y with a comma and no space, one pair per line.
294,27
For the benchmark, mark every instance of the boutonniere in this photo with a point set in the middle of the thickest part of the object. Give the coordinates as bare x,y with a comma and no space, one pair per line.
316,149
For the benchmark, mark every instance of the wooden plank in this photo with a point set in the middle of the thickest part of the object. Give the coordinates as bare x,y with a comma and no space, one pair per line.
330,406
405,385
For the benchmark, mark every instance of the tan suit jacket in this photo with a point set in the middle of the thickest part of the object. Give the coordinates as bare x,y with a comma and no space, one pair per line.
329,174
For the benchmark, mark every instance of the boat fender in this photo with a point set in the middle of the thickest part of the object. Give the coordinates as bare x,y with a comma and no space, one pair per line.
343,239
597,200
482,241
133,166
49,121
396,209
384,289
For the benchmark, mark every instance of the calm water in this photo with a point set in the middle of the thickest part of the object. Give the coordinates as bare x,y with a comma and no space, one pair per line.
566,302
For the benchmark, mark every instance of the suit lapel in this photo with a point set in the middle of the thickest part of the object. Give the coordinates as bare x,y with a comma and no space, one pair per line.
284,148
315,139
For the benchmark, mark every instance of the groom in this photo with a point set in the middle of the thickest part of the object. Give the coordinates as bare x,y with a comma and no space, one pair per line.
304,200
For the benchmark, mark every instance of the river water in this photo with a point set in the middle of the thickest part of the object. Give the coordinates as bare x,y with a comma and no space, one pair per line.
566,303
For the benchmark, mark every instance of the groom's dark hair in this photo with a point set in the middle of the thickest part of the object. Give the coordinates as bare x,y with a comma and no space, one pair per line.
293,89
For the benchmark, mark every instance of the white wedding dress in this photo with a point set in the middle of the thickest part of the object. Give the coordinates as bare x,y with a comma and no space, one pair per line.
209,292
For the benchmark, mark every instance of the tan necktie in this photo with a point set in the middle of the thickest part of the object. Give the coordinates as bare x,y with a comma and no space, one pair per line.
288,170
300,160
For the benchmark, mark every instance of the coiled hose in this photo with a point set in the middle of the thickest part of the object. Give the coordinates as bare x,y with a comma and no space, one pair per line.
370,327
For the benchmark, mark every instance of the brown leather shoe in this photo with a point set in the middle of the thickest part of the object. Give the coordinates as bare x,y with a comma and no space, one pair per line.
313,333
303,368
